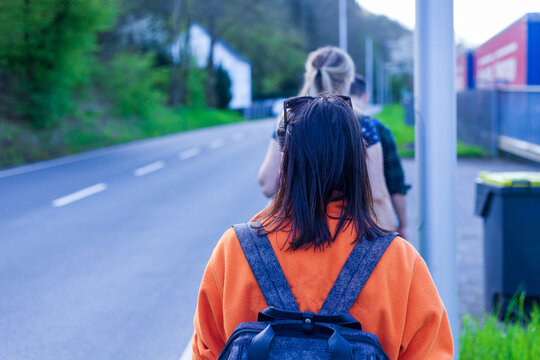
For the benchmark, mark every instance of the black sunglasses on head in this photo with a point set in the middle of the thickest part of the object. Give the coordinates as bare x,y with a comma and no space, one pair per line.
295,101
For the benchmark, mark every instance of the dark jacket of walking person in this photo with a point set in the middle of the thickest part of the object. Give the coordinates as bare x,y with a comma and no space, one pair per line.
393,170
321,211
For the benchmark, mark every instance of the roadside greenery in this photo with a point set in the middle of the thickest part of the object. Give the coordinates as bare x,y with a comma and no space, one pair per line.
392,115
516,337
46,55
81,74
71,82
21,143
140,93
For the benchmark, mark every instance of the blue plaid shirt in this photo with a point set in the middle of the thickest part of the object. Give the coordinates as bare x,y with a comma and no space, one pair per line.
393,171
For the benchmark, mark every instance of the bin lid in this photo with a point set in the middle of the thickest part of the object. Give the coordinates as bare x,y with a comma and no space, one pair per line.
511,179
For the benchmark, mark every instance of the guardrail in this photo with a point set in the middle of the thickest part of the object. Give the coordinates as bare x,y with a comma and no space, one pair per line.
263,108
506,118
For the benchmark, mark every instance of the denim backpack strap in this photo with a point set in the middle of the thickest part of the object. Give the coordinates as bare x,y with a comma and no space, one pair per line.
265,266
354,274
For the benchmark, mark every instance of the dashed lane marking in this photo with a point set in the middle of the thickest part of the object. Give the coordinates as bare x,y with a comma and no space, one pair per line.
189,153
78,195
155,166
216,143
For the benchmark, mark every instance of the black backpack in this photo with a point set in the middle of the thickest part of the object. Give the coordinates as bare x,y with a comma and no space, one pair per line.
284,332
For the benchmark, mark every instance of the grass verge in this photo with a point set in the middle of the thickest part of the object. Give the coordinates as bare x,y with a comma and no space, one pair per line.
392,116
20,143
513,338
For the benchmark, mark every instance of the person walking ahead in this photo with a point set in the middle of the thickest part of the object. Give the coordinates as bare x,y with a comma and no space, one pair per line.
321,211
330,70
393,171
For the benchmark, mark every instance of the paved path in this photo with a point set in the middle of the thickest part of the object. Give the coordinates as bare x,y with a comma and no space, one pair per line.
102,253
470,228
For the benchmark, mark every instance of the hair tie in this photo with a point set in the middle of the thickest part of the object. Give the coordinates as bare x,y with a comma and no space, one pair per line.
318,80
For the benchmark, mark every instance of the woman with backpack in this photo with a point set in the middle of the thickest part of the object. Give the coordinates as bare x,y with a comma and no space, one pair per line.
317,254
330,70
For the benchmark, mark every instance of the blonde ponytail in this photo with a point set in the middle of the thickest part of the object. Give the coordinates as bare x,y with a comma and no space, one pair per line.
328,70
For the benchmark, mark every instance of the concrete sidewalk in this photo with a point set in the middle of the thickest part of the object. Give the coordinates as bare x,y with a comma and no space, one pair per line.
469,226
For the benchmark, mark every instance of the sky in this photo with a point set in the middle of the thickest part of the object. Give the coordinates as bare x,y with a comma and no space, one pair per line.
475,21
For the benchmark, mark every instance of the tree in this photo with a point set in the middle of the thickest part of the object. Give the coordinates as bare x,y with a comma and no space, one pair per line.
223,88
181,21
47,47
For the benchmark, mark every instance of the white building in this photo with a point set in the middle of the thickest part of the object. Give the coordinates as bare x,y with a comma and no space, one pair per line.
238,67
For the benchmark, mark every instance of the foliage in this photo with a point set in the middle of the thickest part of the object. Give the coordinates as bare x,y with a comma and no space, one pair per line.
46,46
469,150
94,129
132,84
196,88
223,88
282,32
169,120
78,74
489,338
392,115
265,33
274,35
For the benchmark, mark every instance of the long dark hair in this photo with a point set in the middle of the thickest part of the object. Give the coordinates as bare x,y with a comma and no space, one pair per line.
324,160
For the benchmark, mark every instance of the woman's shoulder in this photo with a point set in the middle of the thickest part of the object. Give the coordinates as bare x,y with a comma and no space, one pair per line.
226,247
400,253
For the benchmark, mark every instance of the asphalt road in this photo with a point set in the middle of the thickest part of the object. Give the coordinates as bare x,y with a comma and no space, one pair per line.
101,254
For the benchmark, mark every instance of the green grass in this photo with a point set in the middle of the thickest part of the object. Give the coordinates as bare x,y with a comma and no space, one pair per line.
510,339
465,150
392,116
89,130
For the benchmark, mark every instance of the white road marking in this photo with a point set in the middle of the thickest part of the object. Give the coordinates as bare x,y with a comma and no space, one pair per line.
214,144
186,355
189,153
78,195
238,136
155,166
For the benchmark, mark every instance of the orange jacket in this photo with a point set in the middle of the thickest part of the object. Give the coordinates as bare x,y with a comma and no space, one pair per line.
399,303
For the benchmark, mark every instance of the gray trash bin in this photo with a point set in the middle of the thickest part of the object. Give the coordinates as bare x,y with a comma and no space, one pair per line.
510,206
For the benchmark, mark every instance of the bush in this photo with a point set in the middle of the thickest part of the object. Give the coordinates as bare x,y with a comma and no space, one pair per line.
392,116
21,143
223,88
47,48
132,84
488,338
196,97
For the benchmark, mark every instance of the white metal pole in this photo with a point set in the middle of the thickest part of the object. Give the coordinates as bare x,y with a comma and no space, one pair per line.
369,69
380,81
388,86
343,24
435,108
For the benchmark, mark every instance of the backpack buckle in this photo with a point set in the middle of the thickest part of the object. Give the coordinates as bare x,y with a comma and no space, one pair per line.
308,322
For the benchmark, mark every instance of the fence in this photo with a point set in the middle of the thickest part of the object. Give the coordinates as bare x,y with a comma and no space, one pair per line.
506,118
263,109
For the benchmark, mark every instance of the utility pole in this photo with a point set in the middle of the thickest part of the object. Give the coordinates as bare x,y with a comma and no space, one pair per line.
435,148
369,69
380,80
387,86
343,24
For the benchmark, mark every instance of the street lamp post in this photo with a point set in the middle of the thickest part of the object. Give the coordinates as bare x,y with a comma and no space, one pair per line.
369,68
343,24
435,147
